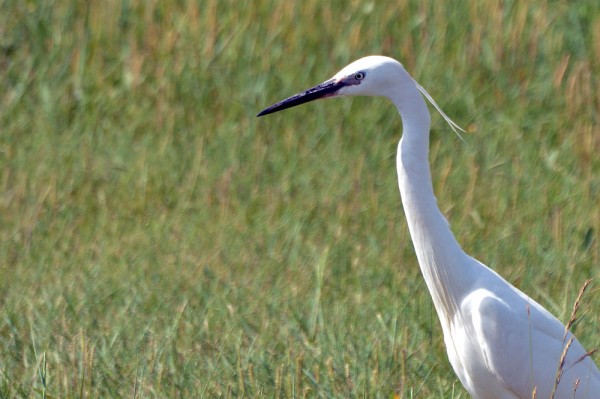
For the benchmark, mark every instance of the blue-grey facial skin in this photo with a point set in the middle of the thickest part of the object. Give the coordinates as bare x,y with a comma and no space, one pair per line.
328,88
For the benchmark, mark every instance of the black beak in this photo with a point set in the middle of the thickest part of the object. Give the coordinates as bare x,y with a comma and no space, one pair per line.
325,89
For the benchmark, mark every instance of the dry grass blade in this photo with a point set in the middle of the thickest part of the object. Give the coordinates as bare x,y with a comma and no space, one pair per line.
567,343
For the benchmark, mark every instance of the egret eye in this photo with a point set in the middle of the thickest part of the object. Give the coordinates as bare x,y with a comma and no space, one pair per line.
359,75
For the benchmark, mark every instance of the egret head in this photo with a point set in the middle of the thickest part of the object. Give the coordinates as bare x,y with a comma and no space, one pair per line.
368,76
374,75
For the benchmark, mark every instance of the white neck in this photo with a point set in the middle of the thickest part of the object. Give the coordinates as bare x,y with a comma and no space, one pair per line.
443,263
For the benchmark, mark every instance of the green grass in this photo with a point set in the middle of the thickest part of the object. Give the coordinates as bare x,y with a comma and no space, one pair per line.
157,240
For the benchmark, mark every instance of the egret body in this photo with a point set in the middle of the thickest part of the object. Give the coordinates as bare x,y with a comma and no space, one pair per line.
501,343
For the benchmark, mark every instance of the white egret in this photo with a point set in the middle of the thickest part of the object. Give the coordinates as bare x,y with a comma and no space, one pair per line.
501,343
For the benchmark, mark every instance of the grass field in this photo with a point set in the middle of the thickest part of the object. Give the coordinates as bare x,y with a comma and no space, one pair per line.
158,240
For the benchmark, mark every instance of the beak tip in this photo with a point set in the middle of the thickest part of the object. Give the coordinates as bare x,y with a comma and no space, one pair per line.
268,110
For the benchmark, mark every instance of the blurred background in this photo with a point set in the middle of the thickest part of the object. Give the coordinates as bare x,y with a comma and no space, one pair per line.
158,240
